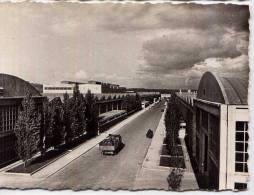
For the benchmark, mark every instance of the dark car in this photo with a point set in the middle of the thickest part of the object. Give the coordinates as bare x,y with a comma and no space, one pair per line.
149,134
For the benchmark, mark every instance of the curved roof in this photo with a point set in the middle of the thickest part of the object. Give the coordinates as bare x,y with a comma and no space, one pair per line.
13,86
225,90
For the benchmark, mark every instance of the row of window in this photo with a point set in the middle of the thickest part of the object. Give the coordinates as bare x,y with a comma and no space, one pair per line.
8,117
241,146
58,88
241,139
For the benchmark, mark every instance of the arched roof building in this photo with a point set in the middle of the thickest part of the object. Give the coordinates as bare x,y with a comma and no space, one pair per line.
225,90
12,86
221,131
12,92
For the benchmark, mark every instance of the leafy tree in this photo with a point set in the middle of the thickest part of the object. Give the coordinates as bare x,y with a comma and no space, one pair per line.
172,126
78,118
91,114
46,123
27,130
138,102
56,123
69,133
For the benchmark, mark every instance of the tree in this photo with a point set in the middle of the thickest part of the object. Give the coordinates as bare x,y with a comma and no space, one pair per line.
56,123
69,133
138,102
172,126
27,130
91,114
46,123
78,118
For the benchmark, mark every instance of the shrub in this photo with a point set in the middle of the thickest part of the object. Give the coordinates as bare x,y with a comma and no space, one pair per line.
174,179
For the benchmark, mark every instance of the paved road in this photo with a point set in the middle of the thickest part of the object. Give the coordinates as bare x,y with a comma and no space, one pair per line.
95,171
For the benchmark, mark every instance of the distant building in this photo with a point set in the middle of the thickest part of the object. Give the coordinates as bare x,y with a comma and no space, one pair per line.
96,87
165,95
12,92
217,131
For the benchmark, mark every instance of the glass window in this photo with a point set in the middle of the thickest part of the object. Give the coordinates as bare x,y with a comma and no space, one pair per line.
241,146
240,186
239,126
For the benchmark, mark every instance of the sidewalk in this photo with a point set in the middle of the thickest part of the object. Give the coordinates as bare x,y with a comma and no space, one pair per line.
29,181
154,176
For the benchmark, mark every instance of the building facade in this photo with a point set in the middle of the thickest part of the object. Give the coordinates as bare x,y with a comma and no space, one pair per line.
13,90
96,87
219,134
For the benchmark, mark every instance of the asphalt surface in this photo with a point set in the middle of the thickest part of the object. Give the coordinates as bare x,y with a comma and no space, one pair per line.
93,170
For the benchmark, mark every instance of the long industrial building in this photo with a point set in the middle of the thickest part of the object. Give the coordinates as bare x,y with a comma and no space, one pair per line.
217,126
12,91
96,87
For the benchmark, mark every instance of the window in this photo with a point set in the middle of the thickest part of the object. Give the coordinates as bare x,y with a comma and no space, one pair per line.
241,146
240,186
8,117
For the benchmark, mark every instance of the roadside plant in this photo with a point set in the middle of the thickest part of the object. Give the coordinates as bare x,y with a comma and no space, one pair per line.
174,179
78,118
56,123
91,113
46,130
69,133
27,130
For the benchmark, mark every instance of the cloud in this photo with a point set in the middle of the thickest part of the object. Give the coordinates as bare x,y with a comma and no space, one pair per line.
138,17
211,39
183,49
136,45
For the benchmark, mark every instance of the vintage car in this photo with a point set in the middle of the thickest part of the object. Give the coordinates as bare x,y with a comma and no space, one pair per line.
111,144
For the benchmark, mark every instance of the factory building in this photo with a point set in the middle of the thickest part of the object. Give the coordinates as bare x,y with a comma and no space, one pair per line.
96,87
222,134
12,92
217,131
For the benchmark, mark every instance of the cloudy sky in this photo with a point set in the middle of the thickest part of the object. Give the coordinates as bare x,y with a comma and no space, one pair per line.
134,45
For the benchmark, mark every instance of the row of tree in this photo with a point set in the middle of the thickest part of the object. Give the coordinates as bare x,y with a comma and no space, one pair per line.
172,120
63,122
172,124
59,122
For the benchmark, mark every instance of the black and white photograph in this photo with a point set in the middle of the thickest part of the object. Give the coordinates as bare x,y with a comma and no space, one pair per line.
124,96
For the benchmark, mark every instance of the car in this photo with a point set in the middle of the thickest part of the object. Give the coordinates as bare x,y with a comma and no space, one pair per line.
111,144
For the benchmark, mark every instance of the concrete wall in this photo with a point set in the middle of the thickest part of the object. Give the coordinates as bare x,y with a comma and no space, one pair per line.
235,113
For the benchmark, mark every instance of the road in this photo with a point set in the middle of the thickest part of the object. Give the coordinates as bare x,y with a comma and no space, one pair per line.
95,171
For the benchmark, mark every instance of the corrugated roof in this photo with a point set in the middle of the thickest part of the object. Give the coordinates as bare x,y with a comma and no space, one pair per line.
221,89
236,90
15,87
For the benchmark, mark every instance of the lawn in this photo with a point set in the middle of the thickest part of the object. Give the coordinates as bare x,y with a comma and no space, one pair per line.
172,162
178,150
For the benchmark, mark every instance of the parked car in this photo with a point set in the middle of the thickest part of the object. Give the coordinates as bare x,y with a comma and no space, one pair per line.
149,134
111,144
